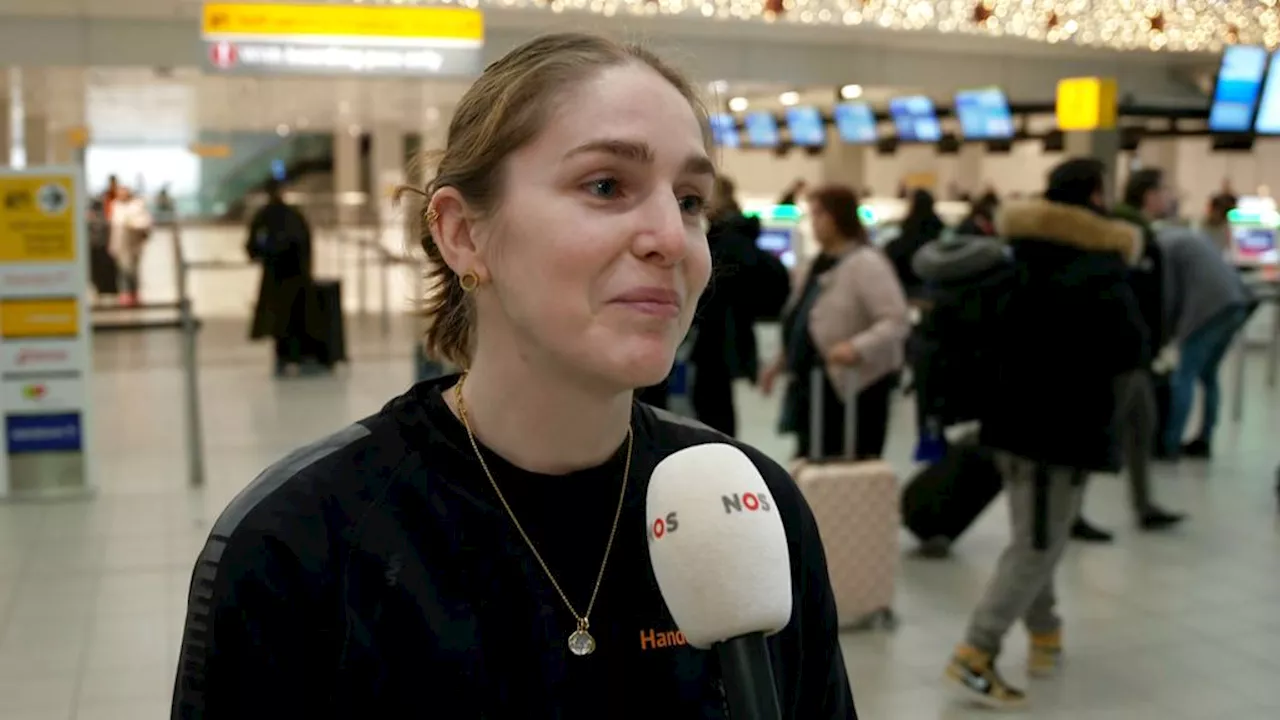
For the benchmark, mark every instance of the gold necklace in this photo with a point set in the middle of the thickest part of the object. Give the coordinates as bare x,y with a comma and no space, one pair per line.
580,641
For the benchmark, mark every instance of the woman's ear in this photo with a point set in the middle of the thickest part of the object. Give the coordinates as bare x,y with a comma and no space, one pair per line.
452,224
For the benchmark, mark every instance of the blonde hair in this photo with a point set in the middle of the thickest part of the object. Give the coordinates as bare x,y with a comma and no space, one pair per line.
502,111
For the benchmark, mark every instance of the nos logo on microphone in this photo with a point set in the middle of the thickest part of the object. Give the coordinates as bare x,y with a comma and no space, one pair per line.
745,502
660,527
736,503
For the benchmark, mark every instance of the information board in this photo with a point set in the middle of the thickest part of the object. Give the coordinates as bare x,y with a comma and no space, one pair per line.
45,339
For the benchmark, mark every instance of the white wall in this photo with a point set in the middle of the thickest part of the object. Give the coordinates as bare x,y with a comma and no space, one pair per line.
1195,172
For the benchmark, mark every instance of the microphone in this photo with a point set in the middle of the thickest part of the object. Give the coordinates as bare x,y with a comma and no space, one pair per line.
719,552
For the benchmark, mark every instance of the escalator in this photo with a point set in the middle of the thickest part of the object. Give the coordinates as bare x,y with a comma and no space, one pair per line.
294,158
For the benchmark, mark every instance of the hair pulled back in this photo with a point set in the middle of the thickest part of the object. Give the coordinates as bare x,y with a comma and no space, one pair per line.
506,108
841,203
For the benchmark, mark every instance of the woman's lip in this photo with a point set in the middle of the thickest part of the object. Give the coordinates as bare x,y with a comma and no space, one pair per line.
658,295
656,301
657,309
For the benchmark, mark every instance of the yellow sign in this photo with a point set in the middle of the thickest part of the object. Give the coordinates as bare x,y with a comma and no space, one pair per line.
208,150
37,218
363,21
1086,104
78,136
39,318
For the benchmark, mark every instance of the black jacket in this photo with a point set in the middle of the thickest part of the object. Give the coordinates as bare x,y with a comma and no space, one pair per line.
280,239
747,284
375,575
1146,278
1067,328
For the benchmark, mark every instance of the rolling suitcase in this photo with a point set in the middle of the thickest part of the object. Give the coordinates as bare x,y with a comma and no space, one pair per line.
944,499
331,346
855,505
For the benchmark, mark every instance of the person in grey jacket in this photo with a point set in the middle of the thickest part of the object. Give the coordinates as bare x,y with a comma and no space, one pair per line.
1205,306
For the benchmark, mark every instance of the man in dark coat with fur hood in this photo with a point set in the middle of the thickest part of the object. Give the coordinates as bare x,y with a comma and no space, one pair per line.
1068,327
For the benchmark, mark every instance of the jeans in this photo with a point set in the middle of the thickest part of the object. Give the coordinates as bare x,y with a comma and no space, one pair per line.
1199,358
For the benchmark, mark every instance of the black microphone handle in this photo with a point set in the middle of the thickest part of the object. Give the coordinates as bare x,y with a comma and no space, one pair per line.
748,678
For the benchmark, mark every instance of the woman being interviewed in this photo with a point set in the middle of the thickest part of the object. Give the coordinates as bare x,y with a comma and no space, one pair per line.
439,558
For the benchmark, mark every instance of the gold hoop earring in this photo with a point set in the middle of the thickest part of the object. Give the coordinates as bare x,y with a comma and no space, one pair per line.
432,216
469,281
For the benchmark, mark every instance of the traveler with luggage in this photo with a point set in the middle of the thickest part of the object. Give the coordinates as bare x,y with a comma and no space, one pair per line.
967,278
846,310
1066,329
130,226
288,304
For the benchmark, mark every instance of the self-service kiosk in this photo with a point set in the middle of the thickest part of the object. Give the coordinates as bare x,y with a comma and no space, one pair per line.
779,230
1253,224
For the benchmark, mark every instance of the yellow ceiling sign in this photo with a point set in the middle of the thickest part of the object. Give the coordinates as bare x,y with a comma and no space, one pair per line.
364,21
1086,104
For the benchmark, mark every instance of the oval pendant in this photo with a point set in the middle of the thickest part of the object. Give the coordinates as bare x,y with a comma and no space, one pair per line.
581,643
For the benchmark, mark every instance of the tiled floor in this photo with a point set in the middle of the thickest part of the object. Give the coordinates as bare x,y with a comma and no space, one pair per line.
91,594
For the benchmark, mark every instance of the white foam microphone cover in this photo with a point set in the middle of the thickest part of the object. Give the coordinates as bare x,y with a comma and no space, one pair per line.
717,545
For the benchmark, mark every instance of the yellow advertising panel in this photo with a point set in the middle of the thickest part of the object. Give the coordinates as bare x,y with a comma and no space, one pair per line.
37,221
39,318
1086,104
362,21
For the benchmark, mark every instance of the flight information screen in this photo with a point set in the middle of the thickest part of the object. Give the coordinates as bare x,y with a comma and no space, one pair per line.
1236,94
915,119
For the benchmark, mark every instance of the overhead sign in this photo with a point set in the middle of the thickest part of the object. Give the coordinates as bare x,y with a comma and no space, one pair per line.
1085,104
260,38
45,351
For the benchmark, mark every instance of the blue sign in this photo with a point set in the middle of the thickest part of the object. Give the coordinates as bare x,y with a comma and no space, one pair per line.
806,126
855,122
915,119
43,433
984,114
724,130
1236,94
762,129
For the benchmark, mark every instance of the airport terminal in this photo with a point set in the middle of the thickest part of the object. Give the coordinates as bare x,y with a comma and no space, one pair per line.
990,288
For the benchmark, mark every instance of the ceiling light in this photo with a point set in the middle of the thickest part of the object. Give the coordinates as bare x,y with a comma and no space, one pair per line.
738,104
282,130
851,92
719,87
790,97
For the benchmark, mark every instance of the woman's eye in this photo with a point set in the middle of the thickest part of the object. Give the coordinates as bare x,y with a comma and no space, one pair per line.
604,187
692,204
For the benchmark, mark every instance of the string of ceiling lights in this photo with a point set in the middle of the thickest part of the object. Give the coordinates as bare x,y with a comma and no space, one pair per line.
1173,25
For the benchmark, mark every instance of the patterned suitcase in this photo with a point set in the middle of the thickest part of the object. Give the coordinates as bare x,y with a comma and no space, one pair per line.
857,510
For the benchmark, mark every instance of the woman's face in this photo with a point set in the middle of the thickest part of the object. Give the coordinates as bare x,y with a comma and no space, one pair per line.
597,254
824,228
